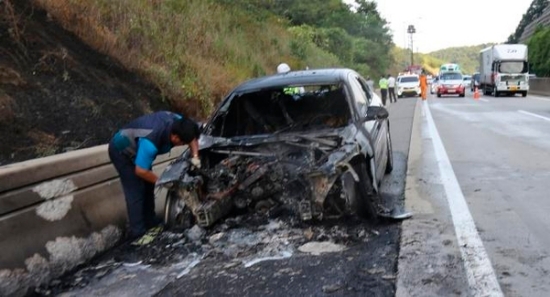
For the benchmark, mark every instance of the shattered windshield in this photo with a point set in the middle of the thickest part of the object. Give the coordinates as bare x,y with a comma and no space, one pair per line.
283,109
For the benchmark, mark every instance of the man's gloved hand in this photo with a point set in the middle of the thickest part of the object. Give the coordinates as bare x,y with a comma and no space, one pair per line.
196,161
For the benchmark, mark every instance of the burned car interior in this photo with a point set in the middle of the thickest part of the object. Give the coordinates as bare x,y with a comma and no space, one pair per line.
272,148
273,110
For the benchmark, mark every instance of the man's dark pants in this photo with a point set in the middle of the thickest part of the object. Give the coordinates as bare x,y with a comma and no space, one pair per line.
384,93
139,194
392,95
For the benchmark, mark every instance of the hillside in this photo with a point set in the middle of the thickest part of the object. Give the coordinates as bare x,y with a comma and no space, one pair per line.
72,72
465,56
56,93
402,59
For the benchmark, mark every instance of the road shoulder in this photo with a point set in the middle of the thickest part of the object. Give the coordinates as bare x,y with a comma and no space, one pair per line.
429,261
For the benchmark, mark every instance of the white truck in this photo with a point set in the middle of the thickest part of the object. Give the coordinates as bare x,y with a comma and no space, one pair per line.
504,70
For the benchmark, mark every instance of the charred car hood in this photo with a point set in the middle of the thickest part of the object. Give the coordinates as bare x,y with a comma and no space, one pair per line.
333,148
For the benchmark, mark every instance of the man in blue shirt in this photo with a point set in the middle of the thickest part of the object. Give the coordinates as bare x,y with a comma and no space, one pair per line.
132,151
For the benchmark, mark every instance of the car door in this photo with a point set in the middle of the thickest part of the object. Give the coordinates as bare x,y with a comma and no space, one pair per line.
365,98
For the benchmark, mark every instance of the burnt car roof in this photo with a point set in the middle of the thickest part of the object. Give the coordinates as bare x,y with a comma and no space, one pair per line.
313,76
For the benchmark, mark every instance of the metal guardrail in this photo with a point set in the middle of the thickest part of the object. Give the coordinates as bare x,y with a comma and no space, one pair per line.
57,212
540,86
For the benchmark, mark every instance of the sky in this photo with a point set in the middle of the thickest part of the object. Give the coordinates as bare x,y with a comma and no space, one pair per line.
448,23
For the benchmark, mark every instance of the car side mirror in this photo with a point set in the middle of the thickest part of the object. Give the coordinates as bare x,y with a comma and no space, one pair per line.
202,125
376,113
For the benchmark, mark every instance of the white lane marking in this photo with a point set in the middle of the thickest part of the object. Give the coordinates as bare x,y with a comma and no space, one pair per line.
534,115
479,271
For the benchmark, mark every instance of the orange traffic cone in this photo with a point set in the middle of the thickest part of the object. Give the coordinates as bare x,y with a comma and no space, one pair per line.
476,94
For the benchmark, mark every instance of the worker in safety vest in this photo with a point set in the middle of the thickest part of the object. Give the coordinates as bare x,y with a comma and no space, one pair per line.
423,85
282,69
383,84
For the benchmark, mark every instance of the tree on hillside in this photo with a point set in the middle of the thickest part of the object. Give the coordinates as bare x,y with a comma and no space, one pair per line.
539,52
359,37
533,12
466,56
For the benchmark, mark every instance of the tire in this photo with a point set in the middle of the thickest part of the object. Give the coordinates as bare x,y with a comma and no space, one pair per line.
495,92
176,214
389,147
366,205
462,95
524,94
438,95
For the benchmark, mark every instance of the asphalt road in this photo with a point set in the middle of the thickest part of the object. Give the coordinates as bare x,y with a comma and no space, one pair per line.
478,183
263,258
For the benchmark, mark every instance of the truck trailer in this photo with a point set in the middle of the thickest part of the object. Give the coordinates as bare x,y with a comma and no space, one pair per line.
504,70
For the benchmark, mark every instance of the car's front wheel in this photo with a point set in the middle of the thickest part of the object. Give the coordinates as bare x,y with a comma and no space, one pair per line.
389,163
176,214
367,201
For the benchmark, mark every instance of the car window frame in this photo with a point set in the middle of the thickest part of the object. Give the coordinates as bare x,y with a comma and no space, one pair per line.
357,92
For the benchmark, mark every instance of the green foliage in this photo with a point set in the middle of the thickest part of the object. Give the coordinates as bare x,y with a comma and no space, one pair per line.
195,51
465,56
359,38
539,52
534,11
402,59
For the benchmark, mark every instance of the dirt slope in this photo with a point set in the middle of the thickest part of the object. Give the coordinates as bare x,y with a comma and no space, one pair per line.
56,94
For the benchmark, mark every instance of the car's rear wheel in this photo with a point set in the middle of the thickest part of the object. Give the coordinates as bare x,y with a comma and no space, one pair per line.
176,214
438,95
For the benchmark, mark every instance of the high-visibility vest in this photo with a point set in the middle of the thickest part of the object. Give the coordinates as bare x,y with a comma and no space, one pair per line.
291,90
383,83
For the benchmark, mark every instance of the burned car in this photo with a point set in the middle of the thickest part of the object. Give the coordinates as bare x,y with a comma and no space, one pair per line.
315,142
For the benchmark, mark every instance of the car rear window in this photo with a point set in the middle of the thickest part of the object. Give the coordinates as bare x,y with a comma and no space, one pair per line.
407,79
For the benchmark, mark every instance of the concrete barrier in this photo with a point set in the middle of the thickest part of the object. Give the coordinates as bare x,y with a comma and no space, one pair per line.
540,86
58,212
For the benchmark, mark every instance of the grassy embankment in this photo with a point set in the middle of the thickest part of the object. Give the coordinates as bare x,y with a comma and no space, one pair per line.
194,51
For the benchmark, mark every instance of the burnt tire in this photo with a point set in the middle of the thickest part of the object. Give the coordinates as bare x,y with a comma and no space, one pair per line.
177,215
389,147
368,198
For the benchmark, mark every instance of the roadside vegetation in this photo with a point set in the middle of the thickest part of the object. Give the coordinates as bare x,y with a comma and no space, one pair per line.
539,42
195,51
539,52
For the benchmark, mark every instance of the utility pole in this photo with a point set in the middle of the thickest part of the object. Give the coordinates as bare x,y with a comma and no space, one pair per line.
411,30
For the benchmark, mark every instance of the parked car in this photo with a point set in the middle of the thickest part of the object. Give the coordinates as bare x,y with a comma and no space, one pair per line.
467,81
451,83
434,85
475,82
319,153
408,85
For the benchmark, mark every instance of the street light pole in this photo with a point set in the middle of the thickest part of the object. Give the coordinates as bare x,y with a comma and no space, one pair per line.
411,30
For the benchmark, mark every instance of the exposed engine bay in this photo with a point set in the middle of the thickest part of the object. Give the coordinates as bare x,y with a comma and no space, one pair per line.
260,178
